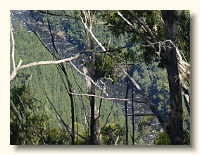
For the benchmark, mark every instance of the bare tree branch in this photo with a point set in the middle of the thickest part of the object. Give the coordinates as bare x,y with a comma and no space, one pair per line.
183,66
144,27
107,98
19,67
41,63
108,116
133,81
17,112
117,140
89,78
13,48
58,116
89,30
129,23
142,23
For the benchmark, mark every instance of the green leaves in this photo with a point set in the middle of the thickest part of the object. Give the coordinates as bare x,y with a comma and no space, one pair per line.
104,66
43,128
27,126
47,80
184,34
162,139
110,133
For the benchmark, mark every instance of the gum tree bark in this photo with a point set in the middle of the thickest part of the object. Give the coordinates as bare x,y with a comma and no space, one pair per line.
175,125
95,132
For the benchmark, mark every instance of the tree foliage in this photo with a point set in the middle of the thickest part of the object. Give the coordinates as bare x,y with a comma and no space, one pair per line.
127,40
112,134
27,125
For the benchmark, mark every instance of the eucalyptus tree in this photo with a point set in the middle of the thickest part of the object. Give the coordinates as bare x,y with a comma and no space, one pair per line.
160,34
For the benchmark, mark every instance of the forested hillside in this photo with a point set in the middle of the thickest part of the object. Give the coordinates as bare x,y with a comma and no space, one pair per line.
117,90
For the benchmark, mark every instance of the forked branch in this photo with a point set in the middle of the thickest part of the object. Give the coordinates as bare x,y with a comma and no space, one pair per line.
19,67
